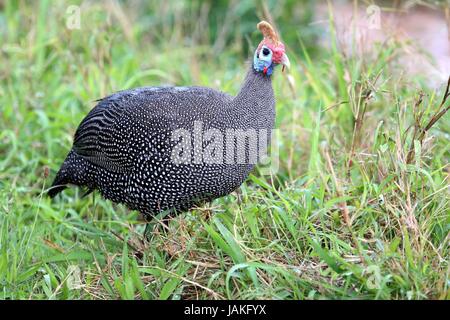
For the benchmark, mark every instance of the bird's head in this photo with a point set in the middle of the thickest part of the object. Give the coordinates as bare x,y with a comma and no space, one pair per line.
270,51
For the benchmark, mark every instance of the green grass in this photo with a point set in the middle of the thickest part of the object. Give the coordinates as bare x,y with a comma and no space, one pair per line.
358,208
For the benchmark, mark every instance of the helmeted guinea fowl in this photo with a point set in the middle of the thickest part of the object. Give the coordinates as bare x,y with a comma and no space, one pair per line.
172,148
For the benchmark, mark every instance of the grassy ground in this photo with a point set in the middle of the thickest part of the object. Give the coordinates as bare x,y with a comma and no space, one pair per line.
358,208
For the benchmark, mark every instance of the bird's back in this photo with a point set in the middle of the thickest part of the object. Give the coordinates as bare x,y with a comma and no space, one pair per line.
117,129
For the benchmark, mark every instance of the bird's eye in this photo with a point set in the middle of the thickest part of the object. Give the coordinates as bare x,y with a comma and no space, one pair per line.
266,51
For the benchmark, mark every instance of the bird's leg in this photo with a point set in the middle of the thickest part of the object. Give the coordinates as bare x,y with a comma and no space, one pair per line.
239,196
147,232
206,212
153,223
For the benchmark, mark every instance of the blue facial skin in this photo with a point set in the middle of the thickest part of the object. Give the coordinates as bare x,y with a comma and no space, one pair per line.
261,61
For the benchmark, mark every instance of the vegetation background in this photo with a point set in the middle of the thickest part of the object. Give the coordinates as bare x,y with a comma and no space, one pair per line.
358,208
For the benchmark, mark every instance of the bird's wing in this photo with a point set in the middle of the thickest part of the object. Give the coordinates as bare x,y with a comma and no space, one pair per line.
131,124
94,132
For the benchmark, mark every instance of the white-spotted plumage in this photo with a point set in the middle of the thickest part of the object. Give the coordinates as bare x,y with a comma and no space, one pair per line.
123,147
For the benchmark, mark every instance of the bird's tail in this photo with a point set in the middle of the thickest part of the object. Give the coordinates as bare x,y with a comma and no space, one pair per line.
72,171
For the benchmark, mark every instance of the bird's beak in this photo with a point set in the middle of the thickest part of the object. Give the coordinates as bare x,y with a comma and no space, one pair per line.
285,61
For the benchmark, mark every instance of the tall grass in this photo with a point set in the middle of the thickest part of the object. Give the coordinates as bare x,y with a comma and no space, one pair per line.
359,207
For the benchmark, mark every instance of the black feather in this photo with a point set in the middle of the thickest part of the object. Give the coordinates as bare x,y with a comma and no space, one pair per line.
123,147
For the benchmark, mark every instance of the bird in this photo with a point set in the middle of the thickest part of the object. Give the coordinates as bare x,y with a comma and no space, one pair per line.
170,149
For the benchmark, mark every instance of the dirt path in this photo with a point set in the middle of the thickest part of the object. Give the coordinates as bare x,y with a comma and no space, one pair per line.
423,31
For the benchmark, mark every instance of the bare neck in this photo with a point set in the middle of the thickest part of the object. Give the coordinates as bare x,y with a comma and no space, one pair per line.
256,87
255,100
